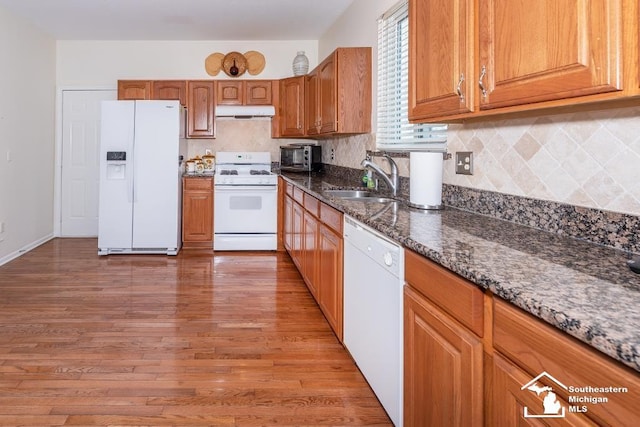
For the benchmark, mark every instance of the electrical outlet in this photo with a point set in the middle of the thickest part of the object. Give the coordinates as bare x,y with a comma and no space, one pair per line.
333,154
1,231
464,162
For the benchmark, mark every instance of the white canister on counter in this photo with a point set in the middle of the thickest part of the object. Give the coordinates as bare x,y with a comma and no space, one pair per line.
209,161
191,166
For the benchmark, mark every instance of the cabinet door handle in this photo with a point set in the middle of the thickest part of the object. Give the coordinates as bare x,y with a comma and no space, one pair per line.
483,72
459,88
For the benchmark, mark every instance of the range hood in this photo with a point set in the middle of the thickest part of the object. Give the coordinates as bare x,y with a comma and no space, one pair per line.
245,111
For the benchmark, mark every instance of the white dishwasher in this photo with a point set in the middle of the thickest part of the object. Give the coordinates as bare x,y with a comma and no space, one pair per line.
373,281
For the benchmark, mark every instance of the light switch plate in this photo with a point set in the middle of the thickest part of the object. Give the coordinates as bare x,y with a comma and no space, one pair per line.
464,162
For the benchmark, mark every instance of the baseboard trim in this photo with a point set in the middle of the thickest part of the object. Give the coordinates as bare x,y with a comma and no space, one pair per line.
10,257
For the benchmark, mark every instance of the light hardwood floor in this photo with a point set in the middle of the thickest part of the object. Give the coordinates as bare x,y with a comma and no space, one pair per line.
151,340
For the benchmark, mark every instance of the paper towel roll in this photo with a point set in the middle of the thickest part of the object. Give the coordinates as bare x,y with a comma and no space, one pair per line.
425,174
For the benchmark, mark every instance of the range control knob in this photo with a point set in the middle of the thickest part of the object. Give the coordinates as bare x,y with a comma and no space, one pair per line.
388,259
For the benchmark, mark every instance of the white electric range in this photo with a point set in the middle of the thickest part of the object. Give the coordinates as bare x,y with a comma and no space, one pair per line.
245,202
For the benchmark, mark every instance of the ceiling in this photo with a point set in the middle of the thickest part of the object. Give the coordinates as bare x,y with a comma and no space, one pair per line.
180,19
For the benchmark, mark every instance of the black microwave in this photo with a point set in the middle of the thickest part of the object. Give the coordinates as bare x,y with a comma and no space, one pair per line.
300,158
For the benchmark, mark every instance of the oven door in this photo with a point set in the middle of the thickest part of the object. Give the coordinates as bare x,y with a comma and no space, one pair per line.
241,209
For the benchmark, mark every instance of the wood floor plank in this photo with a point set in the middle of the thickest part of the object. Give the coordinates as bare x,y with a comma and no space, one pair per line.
192,340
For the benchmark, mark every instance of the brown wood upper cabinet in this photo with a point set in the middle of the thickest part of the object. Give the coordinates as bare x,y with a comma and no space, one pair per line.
129,90
441,71
338,94
291,114
244,92
529,56
200,108
170,89
153,89
572,50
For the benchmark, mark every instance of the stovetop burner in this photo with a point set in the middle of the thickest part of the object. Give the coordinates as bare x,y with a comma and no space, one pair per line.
244,168
259,172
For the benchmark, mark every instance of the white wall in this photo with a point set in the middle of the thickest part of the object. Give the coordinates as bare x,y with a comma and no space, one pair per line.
27,110
102,63
357,27
584,159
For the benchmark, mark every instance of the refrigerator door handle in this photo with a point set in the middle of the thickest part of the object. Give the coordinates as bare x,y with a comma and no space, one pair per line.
130,180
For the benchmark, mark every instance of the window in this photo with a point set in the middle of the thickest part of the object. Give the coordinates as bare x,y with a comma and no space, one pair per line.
394,132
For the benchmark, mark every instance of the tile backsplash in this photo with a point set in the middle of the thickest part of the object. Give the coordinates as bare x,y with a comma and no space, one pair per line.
240,135
589,159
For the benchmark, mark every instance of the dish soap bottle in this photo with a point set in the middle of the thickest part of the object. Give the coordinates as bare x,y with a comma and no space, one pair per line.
371,182
365,178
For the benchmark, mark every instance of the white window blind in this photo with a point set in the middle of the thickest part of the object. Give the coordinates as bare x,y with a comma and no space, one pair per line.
394,132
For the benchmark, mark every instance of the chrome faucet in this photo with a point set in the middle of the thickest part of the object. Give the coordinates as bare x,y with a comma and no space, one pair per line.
391,179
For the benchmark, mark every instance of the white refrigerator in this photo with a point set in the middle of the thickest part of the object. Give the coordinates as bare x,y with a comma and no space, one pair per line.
142,145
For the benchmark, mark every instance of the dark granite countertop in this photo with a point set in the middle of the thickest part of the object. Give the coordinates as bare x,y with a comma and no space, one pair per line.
584,289
198,174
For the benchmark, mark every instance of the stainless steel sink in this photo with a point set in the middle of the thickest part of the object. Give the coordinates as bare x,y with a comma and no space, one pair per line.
360,195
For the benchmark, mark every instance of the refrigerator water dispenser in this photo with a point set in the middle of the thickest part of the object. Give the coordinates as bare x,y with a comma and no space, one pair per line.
116,165
116,171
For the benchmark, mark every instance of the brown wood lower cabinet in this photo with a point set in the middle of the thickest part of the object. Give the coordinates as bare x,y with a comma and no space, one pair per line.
538,348
297,233
330,287
309,253
509,400
313,237
287,222
197,213
443,384
469,358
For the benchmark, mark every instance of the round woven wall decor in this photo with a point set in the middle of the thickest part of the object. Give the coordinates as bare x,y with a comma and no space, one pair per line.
213,63
234,64
255,62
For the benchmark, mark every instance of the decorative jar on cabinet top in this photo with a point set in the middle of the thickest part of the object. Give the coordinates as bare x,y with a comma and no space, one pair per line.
300,64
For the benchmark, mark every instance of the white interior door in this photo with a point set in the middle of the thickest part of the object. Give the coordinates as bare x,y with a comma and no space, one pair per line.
80,167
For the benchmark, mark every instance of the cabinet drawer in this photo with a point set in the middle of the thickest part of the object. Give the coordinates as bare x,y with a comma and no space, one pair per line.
298,195
311,204
205,184
538,347
288,188
331,217
456,296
